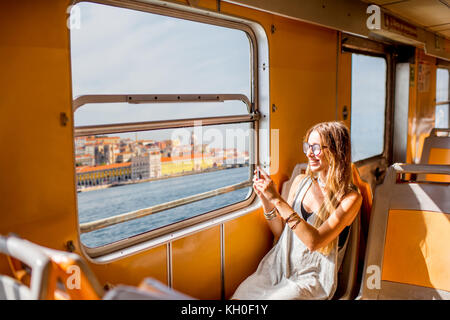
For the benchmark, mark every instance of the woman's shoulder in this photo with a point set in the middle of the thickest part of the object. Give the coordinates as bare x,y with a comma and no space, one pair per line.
298,180
299,177
353,197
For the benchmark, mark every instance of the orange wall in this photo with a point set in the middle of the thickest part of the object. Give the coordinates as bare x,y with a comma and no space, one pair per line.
38,183
421,104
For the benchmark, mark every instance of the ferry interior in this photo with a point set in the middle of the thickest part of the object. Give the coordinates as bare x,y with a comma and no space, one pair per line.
131,130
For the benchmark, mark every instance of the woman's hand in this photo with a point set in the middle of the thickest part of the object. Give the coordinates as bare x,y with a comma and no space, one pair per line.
265,188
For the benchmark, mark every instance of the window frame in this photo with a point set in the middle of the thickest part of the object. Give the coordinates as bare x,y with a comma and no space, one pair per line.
259,147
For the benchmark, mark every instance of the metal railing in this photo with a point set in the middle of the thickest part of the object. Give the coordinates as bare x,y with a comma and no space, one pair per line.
110,221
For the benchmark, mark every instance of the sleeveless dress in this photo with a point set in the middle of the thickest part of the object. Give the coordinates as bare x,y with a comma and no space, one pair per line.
290,270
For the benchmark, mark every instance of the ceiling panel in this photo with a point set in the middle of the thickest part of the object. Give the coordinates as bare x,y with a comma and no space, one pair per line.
441,27
431,14
423,12
445,33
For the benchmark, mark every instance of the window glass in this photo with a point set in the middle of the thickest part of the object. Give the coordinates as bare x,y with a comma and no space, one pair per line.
368,106
442,85
442,95
117,51
122,51
121,173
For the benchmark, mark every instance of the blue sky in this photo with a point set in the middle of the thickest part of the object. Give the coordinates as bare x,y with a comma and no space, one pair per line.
122,51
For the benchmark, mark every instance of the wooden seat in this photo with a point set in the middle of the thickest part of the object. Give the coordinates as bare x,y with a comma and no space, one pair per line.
436,150
409,237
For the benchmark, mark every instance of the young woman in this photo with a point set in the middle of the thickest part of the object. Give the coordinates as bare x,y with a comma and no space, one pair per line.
311,227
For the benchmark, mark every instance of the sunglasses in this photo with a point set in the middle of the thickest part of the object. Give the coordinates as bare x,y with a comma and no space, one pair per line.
316,148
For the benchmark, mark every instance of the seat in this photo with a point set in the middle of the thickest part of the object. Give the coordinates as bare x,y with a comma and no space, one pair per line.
409,237
436,147
436,150
46,274
43,273
348,270
300,168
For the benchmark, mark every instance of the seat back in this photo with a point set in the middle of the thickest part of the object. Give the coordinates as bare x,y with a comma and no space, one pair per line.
299,168
43,273
409,237
436,150
21,256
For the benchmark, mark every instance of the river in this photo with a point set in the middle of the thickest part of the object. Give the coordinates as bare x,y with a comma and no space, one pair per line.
99,204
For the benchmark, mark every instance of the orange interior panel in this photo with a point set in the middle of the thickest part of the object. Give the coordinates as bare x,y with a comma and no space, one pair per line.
421,104
439,156
417,248
244,250
196,264
133,269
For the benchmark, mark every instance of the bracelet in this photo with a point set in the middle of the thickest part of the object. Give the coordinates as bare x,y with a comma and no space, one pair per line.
271,214
293,214
296,224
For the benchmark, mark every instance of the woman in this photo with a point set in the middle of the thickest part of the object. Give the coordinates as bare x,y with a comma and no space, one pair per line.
308,226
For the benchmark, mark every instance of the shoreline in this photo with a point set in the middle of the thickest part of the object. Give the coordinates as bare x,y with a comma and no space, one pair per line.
188,173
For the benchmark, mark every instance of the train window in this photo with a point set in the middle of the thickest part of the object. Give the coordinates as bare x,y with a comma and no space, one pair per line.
442,98
164,121
368,100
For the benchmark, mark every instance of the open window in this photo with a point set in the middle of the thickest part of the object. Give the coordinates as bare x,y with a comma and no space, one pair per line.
165,115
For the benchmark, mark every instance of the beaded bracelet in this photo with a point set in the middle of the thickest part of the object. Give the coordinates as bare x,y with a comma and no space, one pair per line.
271,214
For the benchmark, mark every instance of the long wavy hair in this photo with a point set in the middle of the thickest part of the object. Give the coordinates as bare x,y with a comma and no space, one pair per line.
336,137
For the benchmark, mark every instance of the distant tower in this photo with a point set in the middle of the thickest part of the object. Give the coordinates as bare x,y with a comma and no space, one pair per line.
192,142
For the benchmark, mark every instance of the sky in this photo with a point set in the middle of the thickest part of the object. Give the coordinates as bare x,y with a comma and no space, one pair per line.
122,51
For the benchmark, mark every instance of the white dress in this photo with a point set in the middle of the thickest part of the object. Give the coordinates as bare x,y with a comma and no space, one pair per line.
290,270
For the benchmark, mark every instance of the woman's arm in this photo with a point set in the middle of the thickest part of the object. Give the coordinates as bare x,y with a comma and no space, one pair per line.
317,238
276,224
313,238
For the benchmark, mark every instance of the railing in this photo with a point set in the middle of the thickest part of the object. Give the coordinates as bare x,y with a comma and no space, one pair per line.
110,221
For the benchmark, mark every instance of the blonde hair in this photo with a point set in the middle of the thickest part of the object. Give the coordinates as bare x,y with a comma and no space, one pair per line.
335,136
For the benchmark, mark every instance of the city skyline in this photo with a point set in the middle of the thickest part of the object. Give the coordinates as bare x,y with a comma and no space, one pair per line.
103,160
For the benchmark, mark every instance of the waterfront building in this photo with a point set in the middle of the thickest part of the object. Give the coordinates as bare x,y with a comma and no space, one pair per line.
147,165
186,163
84,160
89,176
123,157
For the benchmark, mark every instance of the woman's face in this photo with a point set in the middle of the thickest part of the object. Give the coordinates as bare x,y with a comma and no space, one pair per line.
317,163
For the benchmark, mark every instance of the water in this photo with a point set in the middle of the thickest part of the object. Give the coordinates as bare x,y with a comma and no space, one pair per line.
98,204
